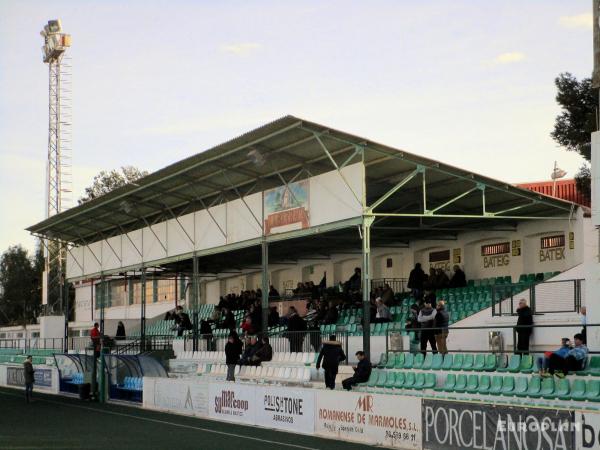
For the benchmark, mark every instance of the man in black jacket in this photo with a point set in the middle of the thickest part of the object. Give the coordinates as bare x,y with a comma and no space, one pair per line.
296,330
29,378
251,348
362,371
524,327
331,355
233,350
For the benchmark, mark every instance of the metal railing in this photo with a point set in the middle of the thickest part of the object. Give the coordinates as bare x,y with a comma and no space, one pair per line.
398,285
543,298
33,343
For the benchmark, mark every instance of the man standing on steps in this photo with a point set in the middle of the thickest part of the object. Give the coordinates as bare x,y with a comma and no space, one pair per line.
331,354
29,379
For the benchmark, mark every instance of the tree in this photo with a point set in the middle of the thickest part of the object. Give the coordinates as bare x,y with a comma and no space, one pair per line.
105,182
21,281
576,122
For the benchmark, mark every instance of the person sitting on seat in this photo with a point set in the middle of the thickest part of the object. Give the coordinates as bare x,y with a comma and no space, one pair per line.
387,295
252,346
575,360
383,313
183,321
228,320
362,371
543,362
264,353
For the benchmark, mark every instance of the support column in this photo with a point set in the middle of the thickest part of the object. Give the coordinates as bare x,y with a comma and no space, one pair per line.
265,285
65,292
102,298
366,282
143,308
195,302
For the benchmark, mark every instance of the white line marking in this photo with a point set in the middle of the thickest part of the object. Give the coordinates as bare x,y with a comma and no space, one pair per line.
148,419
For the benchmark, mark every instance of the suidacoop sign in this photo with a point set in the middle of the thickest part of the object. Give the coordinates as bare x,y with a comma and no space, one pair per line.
232,402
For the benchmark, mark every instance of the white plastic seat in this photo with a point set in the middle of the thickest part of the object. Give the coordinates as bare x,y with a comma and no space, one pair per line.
269,373
238,369
287,371
287,357
293,374
280,373
259,372
299,358
252,372
306,375
243,371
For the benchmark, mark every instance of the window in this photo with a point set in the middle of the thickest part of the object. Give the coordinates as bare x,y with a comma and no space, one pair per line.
389,263
443,255
495,249
553,241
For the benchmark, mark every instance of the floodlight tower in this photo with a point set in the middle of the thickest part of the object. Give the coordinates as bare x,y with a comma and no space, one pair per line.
57,170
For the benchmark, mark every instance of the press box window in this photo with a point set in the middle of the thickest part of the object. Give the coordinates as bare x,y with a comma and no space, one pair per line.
495,249
443,255
553,241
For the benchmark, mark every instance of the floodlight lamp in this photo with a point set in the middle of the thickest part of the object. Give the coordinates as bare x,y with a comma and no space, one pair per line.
54,26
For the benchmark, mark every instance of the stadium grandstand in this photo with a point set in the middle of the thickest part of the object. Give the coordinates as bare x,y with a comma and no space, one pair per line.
308,242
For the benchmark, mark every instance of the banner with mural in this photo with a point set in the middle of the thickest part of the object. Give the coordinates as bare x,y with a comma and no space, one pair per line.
287,207
183,396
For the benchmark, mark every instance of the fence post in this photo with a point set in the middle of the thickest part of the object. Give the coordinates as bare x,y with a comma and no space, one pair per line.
532,297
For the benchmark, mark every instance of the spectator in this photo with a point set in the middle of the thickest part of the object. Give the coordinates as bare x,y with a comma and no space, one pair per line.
415,281
362,371
331,355
273,319
233,350
331,316
383,313
429,295
207,334
459,278
442,319
273,293
228,320
543,362
583,316
252,347
313,320
247,326
387,295
354,282
524,327
426,319
412,323
95,336
264,353
441,279
29,378
183,321
296,330
431,279
574,361
216,315
120,331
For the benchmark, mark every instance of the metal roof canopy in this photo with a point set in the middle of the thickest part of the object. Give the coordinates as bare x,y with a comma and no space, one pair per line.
407,196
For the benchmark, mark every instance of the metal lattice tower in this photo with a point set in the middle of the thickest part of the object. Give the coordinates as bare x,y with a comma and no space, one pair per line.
59,156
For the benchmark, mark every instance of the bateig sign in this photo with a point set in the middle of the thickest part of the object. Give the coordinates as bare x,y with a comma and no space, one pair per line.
449,425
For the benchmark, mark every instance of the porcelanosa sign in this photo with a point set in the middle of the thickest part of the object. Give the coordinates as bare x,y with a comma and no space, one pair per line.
392,421
450,425
287,409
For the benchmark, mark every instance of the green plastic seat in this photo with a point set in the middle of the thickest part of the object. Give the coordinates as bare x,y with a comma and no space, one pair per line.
419,381
427,362
383,358
382,379
399,382
496,385
399,361
513,364
521,386
430,381
461,383
592,391
484,385
491,363
391,361
468,362
547,390
391,380
449,383
508,386
472,384
562,390
373,378
437,361
458,362
409,380
418,362
409,360
447,364
593,367
526,365
578,390
479,363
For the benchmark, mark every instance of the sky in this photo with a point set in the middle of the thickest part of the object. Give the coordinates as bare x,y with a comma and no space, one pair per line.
469,83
